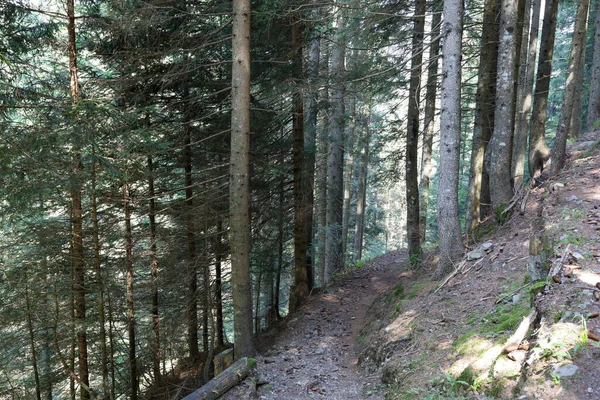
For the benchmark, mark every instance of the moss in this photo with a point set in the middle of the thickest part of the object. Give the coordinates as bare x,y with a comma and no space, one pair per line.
251,362
465,379
501,215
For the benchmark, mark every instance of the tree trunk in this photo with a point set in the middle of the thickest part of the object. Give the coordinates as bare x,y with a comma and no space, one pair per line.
310,137
335,164
130,304
449,226
100,286
239,190
594,99
219,329
359,229
572,88
156,350
321,180
301,214
348,170
484,116
34,360
575,123
77,219
538,149
500,146
413,233
218,386
525,89
429,125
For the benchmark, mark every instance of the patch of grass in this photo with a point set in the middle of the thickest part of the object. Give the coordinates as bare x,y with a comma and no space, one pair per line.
572,213
415,260
483,230
504,318
574,238
399,291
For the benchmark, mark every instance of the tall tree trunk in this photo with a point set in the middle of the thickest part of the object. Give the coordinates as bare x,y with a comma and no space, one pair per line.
130,304
538,149
575,123
239,190
219,328
34,359
449,226
500,146
525,89
310,136
77,218
100,286
335,163
280,234
300,289
348,169
413,232
571,88
359,228
257,301
192,268
594,99
321,179
484,115
156,350
429,124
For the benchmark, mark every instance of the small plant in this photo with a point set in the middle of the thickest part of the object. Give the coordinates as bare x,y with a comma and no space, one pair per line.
414,260
556,379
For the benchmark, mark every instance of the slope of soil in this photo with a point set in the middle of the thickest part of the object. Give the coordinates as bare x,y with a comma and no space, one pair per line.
311,355
486,333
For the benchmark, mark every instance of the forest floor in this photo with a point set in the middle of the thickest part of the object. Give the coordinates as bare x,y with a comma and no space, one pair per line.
487,332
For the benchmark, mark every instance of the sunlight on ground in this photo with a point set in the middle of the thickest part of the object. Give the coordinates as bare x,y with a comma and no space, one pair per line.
587,277
401,326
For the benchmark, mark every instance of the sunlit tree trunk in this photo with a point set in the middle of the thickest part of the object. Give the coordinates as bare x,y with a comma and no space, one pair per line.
449,226
499,149
239,190
484,115
572,88
538,149
359,229
348,169
594,97
429,124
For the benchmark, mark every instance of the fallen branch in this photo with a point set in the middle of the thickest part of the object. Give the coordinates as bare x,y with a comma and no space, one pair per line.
452,275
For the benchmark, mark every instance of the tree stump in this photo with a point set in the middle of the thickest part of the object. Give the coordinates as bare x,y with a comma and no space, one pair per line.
219,385
222,361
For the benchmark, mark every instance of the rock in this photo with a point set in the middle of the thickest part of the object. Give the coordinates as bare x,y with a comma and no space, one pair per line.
572,198
474,255
516,298
487,246
517,355
565,370
578,256
319,351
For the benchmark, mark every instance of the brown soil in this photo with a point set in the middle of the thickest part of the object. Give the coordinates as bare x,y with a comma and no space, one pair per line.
311,354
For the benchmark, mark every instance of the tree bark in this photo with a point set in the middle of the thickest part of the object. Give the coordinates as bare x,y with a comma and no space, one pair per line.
572,88
500,146
538,149
413,232
348,169
219,329
321,180
335,164
156,350
525,89
34,359
449,226
575,123
77,218
429,124
594,97
239,192
301,214
359,229
130,304
218,386
484,116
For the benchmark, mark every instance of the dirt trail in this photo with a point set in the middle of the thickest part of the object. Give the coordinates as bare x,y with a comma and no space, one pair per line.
312,355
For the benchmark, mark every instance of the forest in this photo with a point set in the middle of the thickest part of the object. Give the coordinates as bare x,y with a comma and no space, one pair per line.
177,176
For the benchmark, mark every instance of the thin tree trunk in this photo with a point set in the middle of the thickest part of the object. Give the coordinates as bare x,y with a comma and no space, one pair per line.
257,302
310,137
335,163
156,350
500,146
575,123
484,115
359,229
239,196
429,124
449,226
594,97
130,304
100,285
525,89
192,269
34,360
571,88
280,238
413,232
321,180
538,149
348,170
300,288
219,329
